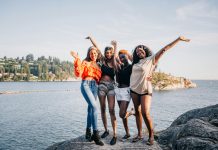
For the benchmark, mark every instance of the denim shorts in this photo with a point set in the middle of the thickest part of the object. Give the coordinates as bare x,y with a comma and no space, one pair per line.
106,88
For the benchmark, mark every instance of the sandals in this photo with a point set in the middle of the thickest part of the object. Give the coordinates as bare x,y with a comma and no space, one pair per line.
136,139
113,141
150,141
125,137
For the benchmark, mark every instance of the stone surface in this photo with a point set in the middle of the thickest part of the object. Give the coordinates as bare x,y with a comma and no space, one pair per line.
195,129
82,143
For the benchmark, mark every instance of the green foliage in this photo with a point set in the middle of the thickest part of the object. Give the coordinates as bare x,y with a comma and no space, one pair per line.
164,79
41,69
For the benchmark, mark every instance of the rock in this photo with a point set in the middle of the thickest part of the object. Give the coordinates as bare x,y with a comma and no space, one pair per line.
195,129
82,143
163,81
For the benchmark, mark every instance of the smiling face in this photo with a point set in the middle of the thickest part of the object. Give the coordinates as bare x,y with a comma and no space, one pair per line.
140,53
93,55
109,54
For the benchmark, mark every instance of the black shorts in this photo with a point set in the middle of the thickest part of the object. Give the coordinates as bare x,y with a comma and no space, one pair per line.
141,94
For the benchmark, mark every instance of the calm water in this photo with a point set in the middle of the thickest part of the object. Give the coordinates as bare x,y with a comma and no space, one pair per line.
56,111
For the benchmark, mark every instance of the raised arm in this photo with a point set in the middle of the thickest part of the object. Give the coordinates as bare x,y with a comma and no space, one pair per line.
93,42
74,54
78,65
115,64
167,47
129,56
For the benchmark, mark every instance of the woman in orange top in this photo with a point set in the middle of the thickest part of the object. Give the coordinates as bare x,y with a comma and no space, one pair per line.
90,72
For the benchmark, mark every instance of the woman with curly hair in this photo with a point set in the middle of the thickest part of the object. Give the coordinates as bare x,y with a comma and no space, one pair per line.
140,86
90,72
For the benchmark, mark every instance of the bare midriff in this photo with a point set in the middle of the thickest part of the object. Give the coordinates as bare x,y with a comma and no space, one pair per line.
89,78
106,78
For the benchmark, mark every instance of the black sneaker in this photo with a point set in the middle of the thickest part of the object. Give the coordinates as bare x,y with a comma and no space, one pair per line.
113,141
105,134
125,137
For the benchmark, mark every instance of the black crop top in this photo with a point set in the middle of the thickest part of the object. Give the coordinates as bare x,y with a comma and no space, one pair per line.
123,75
106,70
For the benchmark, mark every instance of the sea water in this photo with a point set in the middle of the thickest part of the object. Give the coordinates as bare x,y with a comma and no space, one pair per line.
40,114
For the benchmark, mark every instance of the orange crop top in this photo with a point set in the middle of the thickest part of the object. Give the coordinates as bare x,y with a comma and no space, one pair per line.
84,70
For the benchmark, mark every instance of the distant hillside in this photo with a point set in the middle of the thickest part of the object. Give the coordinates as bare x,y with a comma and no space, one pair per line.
30,69
163,81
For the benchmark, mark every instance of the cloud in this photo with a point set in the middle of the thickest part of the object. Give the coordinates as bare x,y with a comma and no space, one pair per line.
198,9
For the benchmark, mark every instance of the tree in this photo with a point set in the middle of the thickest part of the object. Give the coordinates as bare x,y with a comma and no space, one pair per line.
2,71
39,71
29,57
45,71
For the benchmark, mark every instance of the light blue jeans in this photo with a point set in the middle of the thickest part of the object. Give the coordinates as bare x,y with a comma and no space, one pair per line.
89,90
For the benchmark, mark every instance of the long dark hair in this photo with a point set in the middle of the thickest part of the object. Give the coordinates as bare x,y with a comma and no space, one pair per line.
99,57
108,48
136,57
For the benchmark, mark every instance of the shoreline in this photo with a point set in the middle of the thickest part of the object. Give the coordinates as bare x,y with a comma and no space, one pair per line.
194,129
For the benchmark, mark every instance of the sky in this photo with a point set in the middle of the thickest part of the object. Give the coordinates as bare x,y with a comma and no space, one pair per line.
54,28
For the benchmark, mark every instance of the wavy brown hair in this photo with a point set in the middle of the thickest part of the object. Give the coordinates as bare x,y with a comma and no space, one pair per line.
99,57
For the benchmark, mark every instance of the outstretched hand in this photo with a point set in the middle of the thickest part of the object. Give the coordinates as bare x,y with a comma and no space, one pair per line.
74,54
114,43
88,37
182,38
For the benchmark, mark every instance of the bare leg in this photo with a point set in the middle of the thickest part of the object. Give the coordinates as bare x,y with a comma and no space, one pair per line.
146,104
123,108
111,105
138,114
102,100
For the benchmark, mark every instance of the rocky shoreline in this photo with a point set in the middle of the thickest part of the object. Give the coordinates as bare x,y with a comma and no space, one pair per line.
196,129
163,81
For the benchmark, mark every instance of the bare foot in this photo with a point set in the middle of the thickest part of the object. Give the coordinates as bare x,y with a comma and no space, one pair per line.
129,113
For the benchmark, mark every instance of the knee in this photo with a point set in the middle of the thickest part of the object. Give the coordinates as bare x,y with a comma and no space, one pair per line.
111,111
122,115
146,114
103,110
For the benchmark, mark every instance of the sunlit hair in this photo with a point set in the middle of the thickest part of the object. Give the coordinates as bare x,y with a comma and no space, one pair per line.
99,57
122,51
136,57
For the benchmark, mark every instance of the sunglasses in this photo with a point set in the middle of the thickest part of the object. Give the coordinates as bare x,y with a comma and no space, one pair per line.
122,56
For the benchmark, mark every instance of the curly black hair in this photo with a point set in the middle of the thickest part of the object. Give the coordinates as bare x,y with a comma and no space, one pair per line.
135,56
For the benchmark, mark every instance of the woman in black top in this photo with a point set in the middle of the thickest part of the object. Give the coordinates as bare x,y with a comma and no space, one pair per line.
123,90
106,88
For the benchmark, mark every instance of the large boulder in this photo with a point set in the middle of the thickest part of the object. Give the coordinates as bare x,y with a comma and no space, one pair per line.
195,129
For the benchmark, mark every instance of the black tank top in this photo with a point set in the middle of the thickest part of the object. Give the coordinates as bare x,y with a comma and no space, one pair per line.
106,70
123,75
